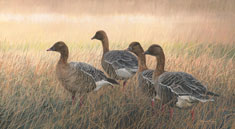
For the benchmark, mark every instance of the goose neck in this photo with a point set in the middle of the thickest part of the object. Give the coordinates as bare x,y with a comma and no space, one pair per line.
105,44
63,57
160,65
142,62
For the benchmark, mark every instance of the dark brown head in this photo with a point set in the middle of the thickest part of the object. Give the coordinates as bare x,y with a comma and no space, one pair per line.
136,48
60,47
99,35
154,50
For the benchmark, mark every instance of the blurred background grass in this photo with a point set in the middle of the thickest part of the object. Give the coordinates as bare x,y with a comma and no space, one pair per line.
198,37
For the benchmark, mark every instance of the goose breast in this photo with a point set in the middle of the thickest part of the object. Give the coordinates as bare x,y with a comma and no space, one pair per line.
146,83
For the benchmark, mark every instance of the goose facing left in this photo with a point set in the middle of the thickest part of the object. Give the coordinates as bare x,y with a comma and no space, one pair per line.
178,89
118,64
78,77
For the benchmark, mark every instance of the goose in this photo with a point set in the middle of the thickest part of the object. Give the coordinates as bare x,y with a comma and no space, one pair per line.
145,81
178,89
118,64
78,77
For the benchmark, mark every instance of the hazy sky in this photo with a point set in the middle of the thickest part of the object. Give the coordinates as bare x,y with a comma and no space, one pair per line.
163,20
76,7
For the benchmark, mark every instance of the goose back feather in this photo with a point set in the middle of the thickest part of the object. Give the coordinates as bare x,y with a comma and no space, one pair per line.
181,84
120,64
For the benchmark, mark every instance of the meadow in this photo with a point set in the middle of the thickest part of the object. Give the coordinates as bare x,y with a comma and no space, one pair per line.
31,96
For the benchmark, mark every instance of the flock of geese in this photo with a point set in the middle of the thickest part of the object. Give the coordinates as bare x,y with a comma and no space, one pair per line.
176,89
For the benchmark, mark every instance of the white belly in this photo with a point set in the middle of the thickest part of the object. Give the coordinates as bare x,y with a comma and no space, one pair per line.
100,84
184,102
123,73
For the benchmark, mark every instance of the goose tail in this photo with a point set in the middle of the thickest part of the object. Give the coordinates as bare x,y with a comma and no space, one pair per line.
112,81
212,94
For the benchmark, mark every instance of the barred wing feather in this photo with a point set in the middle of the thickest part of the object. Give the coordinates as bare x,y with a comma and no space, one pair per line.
183,84
122,59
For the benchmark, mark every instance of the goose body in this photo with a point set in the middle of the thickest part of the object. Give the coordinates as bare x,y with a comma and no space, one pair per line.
78,77
178,89
145,81
83,77
118,64
183,87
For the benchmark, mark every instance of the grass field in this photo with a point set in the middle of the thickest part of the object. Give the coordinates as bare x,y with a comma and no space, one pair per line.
31,96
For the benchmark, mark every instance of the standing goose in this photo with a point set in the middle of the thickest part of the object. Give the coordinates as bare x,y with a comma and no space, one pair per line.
145,81
176,88
118,64
78,77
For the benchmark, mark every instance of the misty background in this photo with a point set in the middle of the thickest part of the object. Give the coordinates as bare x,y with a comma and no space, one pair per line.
210,21
153,7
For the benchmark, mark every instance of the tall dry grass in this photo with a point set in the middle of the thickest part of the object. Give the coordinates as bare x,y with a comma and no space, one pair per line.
198,39
31,96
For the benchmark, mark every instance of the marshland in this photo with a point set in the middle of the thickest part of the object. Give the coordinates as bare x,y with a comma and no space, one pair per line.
198,37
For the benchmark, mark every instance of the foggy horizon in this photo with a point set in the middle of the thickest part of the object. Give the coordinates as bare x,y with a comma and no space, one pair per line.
107,7
164,20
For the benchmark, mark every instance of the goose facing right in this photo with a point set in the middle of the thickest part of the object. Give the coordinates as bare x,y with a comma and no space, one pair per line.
118,64
78,77
178,89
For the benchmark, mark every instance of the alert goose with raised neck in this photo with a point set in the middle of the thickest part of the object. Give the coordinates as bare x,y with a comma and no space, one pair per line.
178,89
145,81
118,64
78,77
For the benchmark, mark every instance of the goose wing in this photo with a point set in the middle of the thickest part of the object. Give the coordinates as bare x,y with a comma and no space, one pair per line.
146,83
93,75
120,59
183,84
90,71
147,75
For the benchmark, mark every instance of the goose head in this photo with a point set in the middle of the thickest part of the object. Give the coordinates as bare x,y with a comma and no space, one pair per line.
154,50
136,48
60,47
99,35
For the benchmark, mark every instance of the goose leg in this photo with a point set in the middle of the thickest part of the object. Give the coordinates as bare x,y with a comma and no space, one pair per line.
152,103
192,114
73,99
163,107
124,84
81,101
171,113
